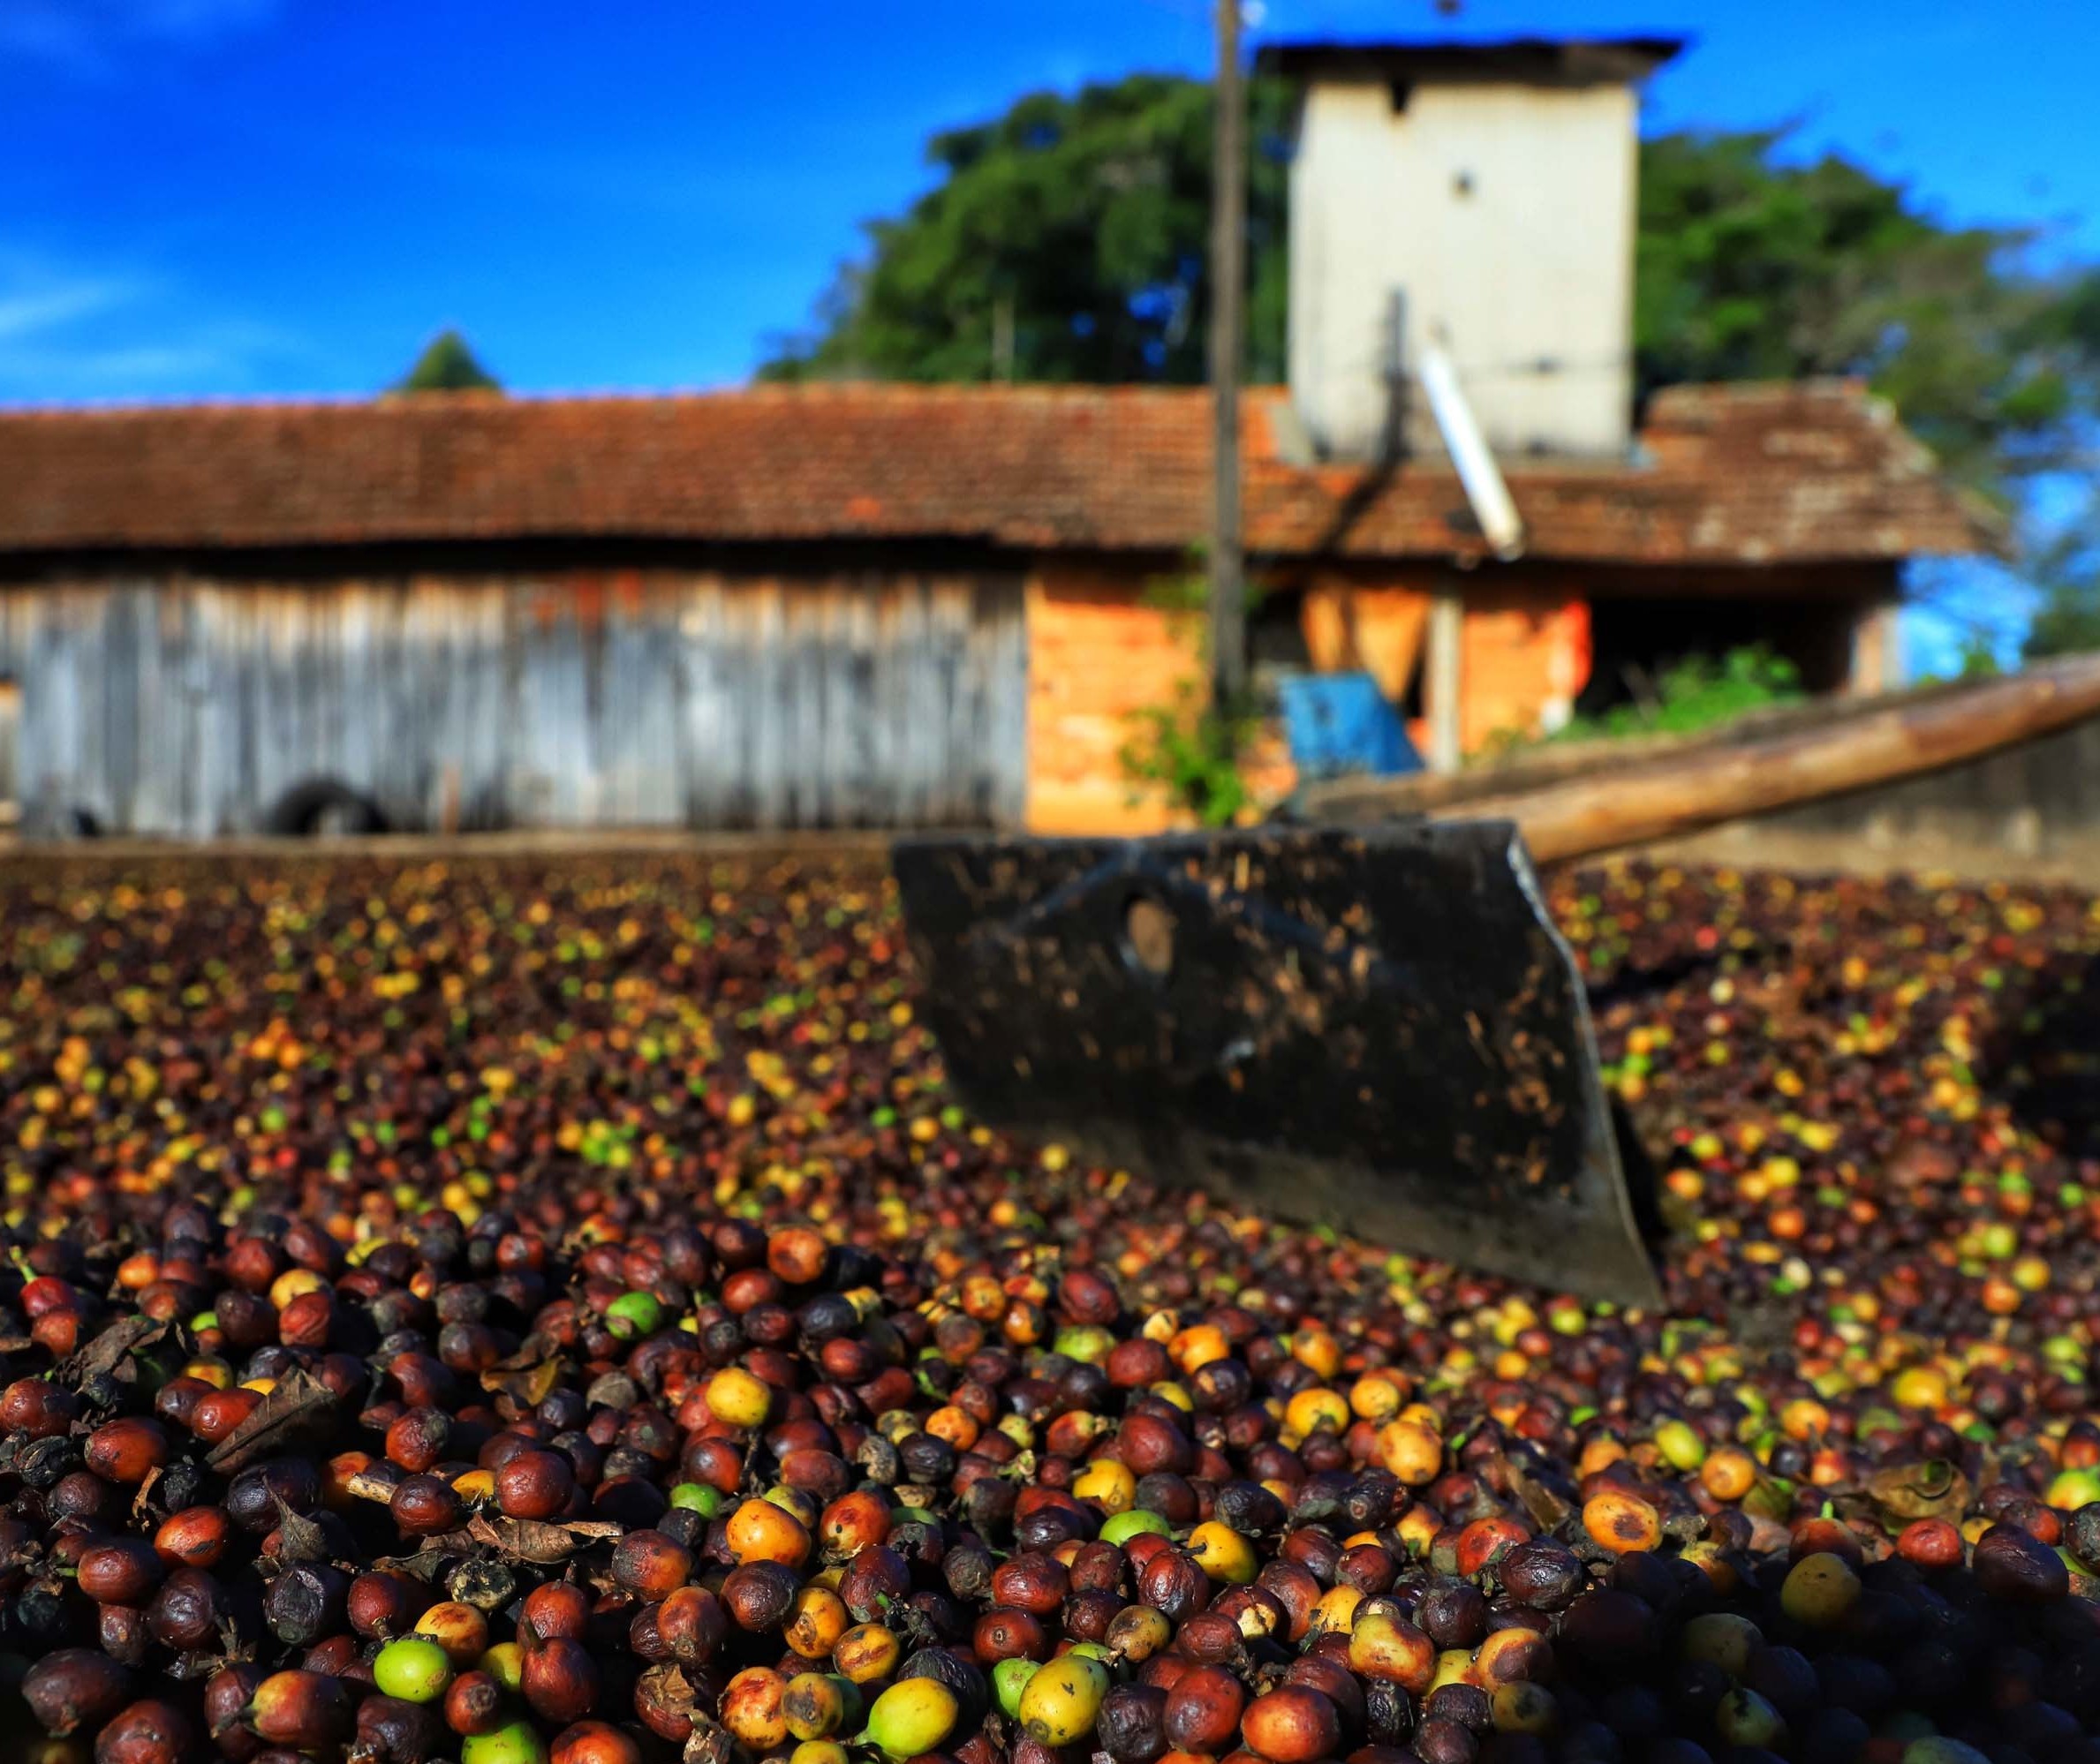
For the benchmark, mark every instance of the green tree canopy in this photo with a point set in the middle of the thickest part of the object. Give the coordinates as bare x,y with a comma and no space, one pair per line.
2066,568
1067,240
447,365
1752,268
1749,268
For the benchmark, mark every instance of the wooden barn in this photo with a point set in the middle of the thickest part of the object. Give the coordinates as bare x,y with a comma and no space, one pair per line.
847,606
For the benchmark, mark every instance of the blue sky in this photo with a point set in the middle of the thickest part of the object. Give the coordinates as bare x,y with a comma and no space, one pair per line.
230,197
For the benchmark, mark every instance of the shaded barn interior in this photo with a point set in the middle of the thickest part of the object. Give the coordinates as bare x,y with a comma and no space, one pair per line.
1634,639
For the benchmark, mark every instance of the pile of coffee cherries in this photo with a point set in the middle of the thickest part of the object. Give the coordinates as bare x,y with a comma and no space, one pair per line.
521,1311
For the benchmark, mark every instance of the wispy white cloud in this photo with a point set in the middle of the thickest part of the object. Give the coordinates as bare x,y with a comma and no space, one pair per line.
69,332
31,302
94,35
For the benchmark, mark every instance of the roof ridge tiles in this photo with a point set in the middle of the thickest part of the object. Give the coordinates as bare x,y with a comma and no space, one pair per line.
1123,467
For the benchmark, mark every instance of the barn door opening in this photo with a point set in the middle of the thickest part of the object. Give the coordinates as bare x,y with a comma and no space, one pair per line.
11,729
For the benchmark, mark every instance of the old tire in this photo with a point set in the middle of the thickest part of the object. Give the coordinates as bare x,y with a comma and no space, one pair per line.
324,808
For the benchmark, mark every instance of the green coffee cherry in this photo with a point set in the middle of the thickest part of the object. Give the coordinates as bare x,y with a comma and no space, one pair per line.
1819,1589
519,1743
413,1668
1009,1678
1120,1528
1524,1707
911,1716
1062,1700
1087,1342
1680,1445
1744,1718
1722,1638
820,1704
505,1663
634,1313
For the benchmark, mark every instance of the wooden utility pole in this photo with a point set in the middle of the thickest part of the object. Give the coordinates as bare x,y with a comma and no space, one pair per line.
1228,282
1443,677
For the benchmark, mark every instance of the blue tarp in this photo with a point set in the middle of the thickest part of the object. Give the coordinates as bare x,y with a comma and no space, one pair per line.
1342,723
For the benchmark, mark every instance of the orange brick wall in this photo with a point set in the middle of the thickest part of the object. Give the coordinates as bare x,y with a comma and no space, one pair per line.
1524,647
1098,653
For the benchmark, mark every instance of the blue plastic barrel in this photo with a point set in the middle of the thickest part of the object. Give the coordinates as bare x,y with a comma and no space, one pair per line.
1341,723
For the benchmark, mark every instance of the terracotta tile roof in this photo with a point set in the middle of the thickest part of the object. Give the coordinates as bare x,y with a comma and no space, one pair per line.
1750,474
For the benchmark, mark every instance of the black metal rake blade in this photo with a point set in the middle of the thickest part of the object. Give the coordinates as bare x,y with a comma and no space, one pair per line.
1377,1028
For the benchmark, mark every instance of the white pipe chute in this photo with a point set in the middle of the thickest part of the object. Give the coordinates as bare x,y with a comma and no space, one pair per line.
1486,493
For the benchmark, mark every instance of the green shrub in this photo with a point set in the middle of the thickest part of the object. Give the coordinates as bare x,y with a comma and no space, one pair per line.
1696,693
1195,750
1188,744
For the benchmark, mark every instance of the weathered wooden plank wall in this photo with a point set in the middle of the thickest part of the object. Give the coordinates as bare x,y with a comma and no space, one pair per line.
190,708
11,712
